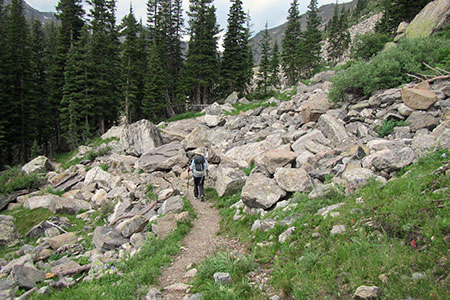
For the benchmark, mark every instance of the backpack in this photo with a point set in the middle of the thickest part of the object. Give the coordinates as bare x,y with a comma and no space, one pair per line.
199,166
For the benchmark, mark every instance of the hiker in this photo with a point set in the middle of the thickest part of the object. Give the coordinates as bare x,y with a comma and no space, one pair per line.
199,167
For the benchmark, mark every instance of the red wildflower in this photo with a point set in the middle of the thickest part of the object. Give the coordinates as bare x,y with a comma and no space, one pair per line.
413,243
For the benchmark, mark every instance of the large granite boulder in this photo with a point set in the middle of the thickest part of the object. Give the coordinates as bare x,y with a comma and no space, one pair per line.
419,97
164,157
39,164
97,174
8,232
229,180
64,239
261,192
356,177
56,204
293,180
310,141
27,276
107,238
133,225
333,130
246,154
421,119
140,137
196,139
432,18
389,160
277,158
173,204
316,106
66,180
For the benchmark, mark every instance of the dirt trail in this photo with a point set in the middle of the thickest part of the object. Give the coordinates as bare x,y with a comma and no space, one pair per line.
201,242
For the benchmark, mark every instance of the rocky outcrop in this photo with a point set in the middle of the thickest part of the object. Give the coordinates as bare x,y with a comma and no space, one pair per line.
162,158
57,204
38,165
433,17
140,137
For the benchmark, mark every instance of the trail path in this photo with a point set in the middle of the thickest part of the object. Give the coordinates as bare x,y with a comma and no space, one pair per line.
201,242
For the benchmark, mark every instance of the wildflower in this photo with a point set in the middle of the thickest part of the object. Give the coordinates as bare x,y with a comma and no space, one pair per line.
414,243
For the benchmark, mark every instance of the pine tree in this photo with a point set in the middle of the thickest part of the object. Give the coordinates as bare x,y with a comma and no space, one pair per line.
17,61
360,6
290,44
3,86
263,81
38,103
338,35
274,77
200,70
310,47
75,107
235,66
105,64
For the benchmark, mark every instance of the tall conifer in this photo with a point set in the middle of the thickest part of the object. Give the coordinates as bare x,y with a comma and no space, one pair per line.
235,66
290,44
308,52
274,77
263,81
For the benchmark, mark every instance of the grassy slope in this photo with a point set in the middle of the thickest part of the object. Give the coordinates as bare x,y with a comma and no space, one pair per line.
402,228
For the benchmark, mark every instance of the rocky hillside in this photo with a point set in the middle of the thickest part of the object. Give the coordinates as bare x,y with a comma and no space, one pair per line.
302,145
31,13
276,34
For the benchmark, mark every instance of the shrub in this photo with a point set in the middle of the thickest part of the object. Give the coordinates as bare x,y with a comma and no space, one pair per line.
14,180
388,126
367,45
390,68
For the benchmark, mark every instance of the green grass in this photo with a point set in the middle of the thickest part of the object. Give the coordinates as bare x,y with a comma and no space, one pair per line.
400,229
388,127
139,272
248,170
186,115
14,180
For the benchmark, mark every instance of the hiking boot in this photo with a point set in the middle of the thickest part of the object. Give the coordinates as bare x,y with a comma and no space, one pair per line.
202,199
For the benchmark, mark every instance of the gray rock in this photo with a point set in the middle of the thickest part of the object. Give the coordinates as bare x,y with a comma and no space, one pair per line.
358,177
286,234
389,160
214,109
328,209
265,225
27,276
418,276
140,137
223,278
38,165
165,225
97,174
229,180
62,240
173,204
232,98
154,294
23,260
8,231
261,192
57,204
420,119
8,289
277,158
402,132
367,292
137,239
323,190
422,143
312,136
293,180
338,229
6,199
133,225
64,267
316,106
107,238
430,19
120,208
333,130
196,139
419,96
164,157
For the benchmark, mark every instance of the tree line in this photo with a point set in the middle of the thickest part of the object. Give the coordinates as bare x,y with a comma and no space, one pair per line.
61,85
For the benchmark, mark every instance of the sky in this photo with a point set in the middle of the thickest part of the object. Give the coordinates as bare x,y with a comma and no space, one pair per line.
274,12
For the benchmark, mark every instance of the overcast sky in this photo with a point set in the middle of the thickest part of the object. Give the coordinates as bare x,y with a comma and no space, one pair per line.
274,12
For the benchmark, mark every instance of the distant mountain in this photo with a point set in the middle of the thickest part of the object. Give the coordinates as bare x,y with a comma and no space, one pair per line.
31,13
276,34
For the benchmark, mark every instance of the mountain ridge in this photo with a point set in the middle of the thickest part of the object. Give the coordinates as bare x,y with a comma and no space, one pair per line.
32,13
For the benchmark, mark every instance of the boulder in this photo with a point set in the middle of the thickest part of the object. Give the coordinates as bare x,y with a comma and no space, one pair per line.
119,209
107,238
213,110
333,130
420,119
67,179
27,276
367,292
37,165
388,160
261,192
422,143
8,289
64,267
57,204
173,204
196,139
316,106
313,137
164,157
229,180
97,174
11,197
432,18
122,163
356,177
232,98
222,278
133,225
8,231
293,180
213,121
286,234
57,242
277,158
140,137
246,154
419,97
182,127
165,225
